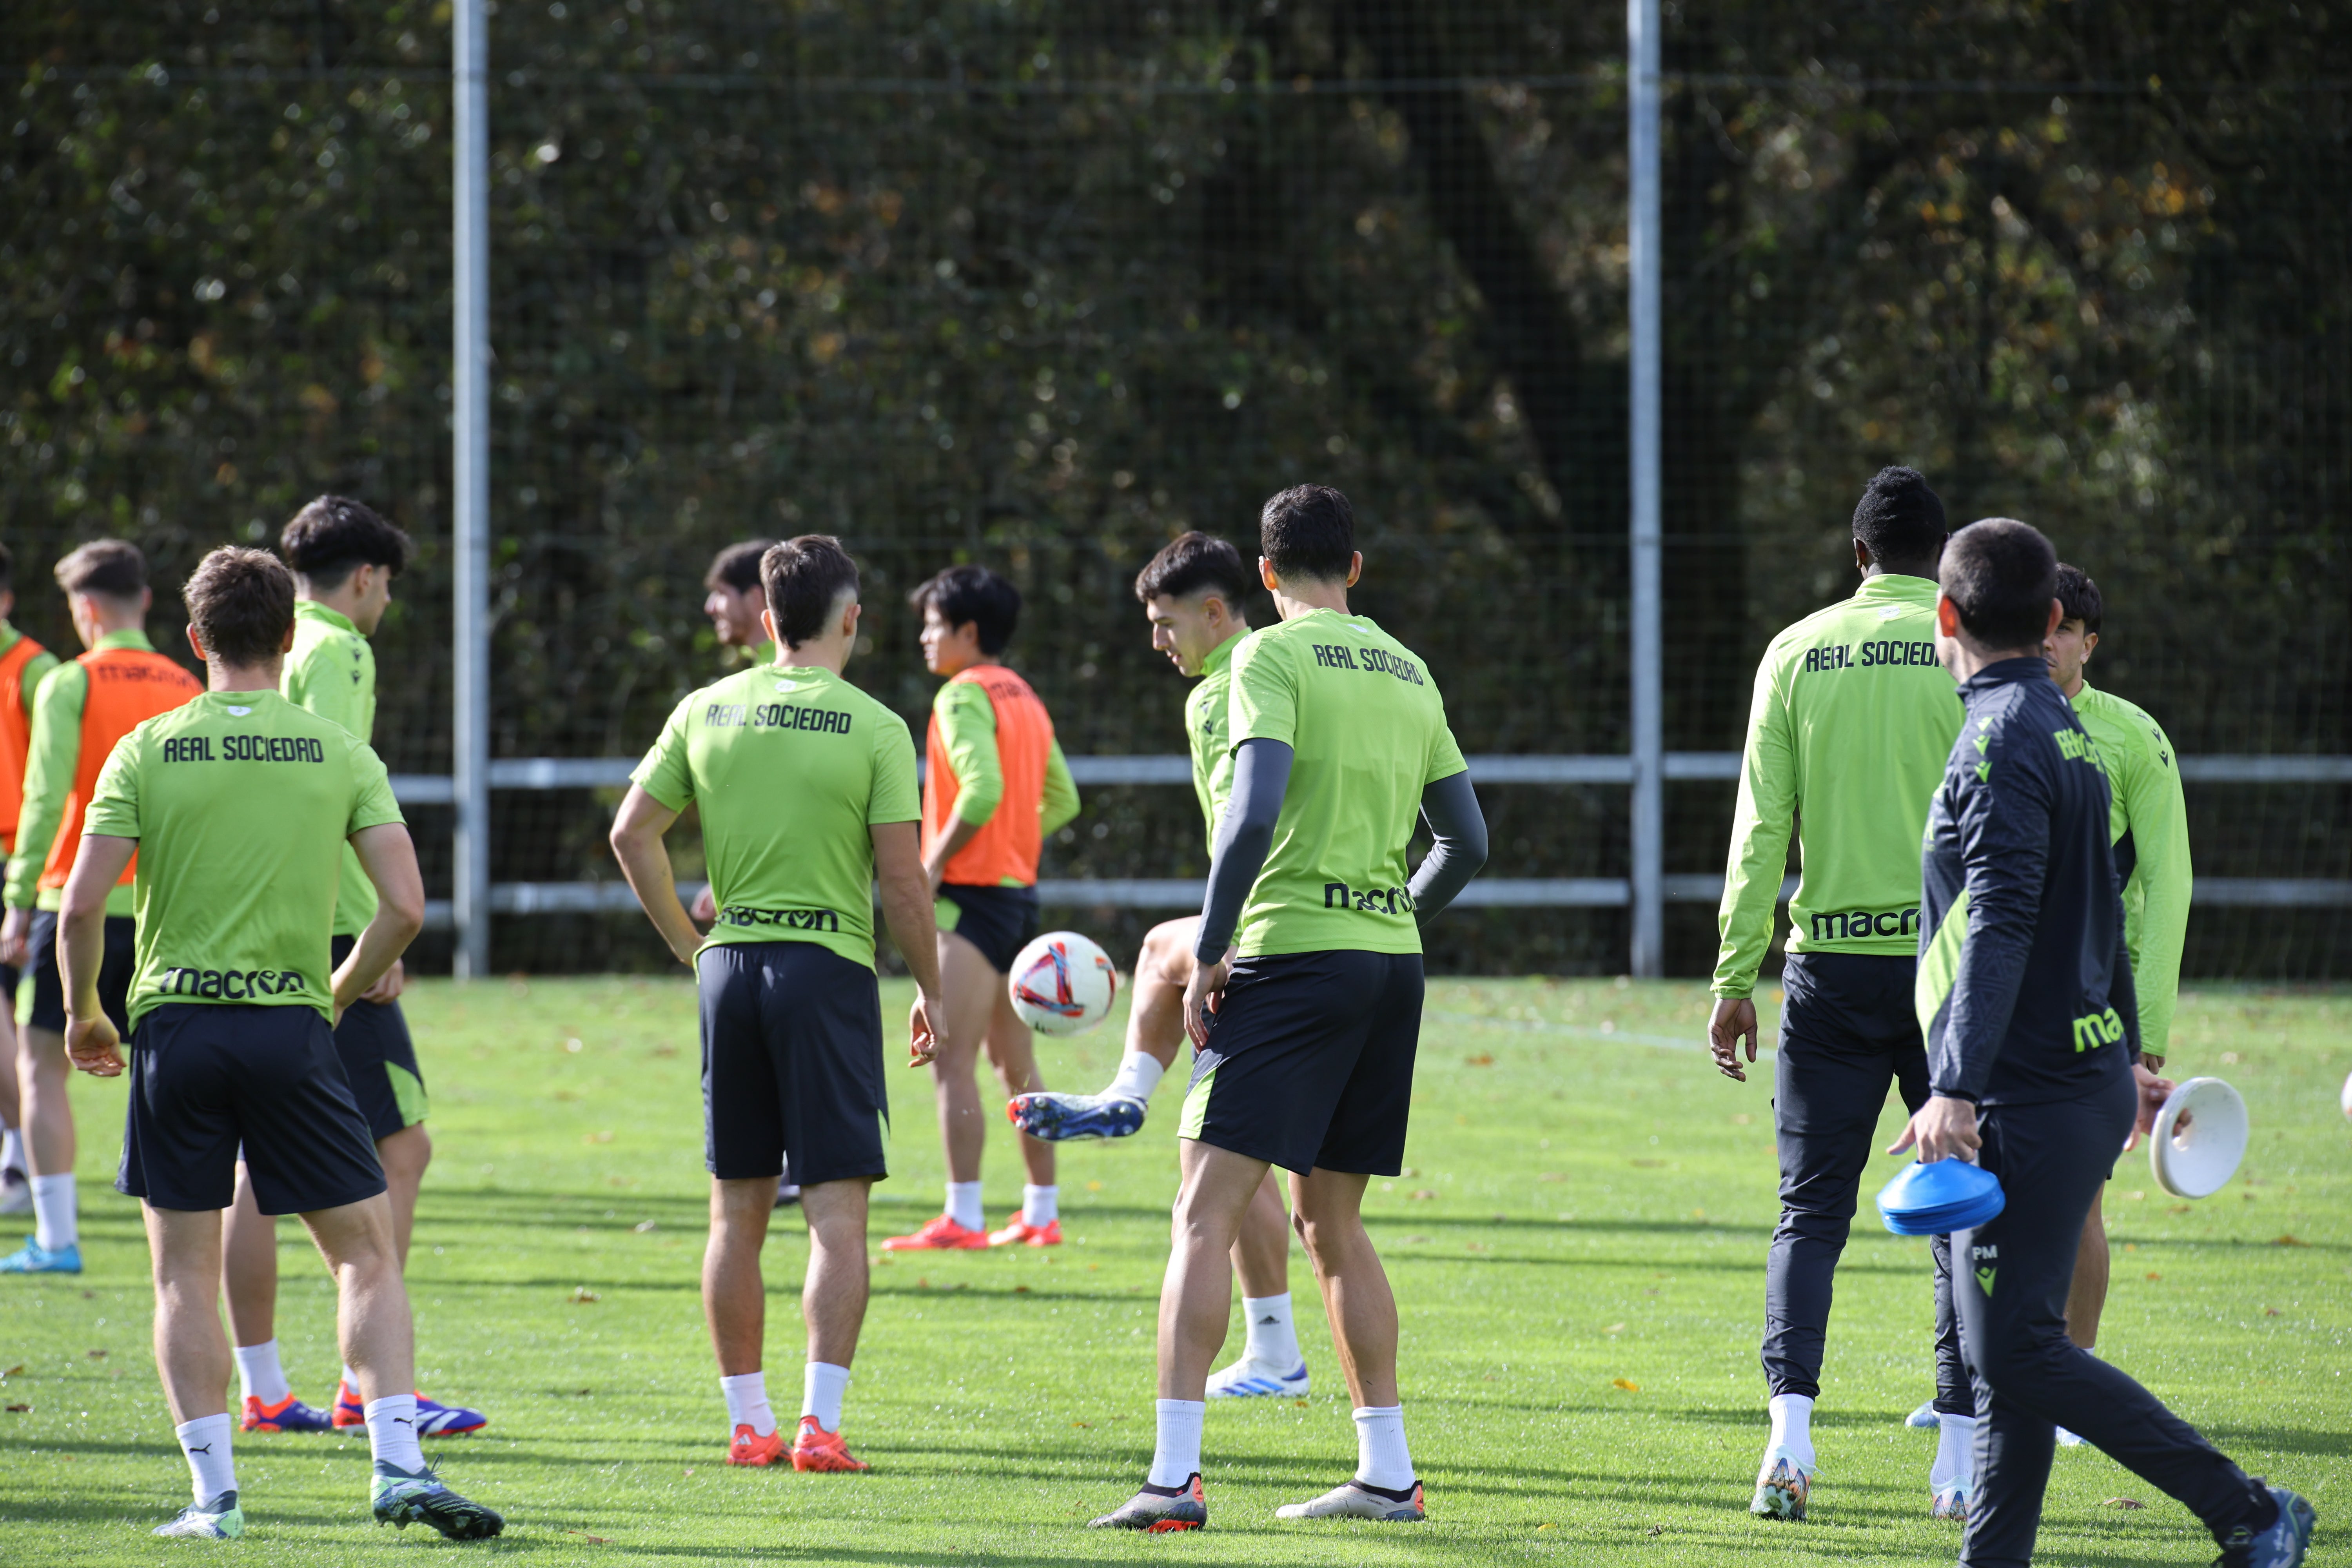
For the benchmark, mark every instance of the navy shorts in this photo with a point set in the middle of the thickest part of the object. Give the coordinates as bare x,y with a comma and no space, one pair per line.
205,1079
380,1059
1000,922
41,994
792,1060
1309,1062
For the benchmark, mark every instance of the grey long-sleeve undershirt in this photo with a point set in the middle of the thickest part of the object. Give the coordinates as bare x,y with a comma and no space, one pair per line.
1245,833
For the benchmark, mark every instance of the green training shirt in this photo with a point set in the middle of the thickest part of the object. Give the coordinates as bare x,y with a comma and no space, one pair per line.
793,768
238,800
51,757
2148,825
1853,721
331,672
1367,731
1207,713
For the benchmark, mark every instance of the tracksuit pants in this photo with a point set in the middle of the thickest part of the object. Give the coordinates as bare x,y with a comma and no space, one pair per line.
2029,1377
1849,1030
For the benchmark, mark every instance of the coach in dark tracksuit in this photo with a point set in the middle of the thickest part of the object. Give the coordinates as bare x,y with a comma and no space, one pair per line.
2032,1047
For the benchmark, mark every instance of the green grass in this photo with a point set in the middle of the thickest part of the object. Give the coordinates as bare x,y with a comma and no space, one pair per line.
1578,1254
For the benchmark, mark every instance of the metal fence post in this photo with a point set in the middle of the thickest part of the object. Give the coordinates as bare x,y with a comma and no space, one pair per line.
470,431
1642,235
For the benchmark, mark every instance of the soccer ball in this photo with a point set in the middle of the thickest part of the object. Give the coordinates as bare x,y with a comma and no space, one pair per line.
1063,984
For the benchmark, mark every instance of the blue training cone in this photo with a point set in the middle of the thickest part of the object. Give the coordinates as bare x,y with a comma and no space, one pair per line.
1940,1198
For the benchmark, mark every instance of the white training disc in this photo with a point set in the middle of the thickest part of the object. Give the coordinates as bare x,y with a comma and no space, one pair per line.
2197,1160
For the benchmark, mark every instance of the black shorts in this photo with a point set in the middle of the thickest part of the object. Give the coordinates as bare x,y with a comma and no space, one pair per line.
205,1079
1309,1062
41,994
792,1060
1000,922
380,1059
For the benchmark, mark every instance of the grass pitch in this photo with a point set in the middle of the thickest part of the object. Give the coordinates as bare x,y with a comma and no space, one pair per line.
1576,1247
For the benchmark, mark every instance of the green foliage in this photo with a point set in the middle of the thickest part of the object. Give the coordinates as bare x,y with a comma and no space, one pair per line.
1041,284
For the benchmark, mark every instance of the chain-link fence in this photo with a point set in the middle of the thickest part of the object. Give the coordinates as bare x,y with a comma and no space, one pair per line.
1039,285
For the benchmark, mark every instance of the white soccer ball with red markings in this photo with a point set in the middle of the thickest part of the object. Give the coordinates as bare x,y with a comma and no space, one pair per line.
1063,984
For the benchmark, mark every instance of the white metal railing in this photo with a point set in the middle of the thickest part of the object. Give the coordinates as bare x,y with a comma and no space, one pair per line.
1487,892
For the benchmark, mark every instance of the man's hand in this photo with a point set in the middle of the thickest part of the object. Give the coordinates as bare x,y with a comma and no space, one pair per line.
388,986
1944,1127
2153,1092
15,932
706,908
94,1045
1204,993
1734,1016
2151,1061
923,1042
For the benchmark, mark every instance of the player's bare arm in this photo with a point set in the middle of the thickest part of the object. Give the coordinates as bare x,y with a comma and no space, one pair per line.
645,860
92,1039
906,888
951,844
388,856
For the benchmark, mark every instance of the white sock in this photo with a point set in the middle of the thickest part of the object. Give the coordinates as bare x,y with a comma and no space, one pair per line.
352,1379
211,1469
1040,1205
259,1371
1272,1339
1954,1466
55,1226
1176,1456
822,1386
392,1433
1793,1427
746,1402
12,1149
963,1206
1382,1459
1139,1074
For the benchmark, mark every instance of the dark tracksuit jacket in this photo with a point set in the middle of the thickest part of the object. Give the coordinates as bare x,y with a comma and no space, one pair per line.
2025,995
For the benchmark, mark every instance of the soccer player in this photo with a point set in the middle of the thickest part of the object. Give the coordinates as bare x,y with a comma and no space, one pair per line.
1852,721
237,806
2149,828
24,664
996,786
792,1022
1305,1037
2025,993
1192,594
344,558
79,711
734,600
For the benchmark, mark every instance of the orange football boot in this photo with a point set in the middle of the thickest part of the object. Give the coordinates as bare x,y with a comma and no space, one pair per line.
818,1450
1020,1232
942,1235
751,1448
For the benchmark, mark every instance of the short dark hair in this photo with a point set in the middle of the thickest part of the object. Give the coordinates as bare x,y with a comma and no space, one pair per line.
241,604
1899,518
1308,530
972,596
2001,576
1196,563
738,567
334,536
7,569
2080,595
113,567
804,579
